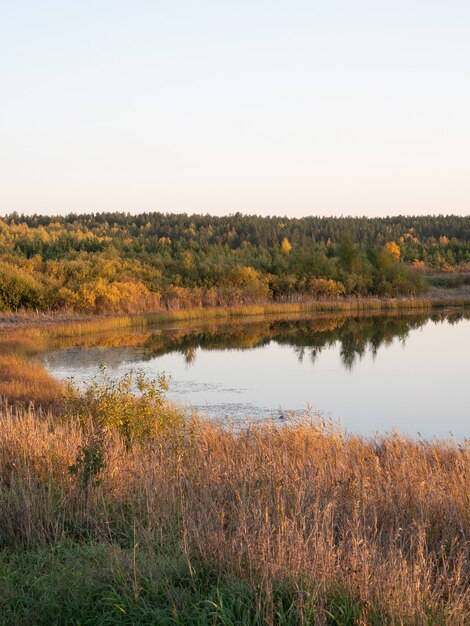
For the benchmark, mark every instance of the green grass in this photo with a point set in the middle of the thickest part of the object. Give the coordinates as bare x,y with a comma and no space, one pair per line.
96,584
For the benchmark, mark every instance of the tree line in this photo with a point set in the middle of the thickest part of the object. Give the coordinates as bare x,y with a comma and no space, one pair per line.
111,262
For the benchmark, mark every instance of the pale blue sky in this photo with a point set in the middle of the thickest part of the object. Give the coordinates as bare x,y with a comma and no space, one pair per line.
296,108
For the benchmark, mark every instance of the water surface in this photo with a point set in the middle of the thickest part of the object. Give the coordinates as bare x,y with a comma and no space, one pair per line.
373,374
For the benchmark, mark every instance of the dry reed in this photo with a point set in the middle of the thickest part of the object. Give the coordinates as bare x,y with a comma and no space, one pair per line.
387,519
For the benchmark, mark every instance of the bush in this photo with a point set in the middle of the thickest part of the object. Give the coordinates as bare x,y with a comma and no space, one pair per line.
134,405
102,296
18,289
322,287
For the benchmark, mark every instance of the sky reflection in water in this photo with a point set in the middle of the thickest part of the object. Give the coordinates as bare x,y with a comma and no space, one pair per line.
372,374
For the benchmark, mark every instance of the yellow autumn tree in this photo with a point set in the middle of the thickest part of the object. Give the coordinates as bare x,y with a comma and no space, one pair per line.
286,246
393,249
326,288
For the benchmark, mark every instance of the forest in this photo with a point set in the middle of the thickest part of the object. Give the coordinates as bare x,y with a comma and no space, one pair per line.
118,262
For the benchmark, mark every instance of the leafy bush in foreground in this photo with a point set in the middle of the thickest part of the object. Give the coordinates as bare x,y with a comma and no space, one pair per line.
134,405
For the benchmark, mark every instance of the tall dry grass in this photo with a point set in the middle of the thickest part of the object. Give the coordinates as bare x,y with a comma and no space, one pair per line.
24,381
61,323
385,521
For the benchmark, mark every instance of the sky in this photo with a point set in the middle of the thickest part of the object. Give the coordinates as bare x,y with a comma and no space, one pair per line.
264,107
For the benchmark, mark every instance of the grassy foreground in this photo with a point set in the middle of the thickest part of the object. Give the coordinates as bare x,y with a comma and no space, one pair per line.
112,515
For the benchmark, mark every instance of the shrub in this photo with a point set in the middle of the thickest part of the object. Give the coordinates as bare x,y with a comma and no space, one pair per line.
322,287
102,296
18,289
90,460
135,406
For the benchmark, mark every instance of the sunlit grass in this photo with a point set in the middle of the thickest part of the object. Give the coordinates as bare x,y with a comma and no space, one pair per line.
25,381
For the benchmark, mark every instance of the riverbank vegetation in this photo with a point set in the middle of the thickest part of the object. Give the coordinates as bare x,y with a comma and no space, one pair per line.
183,521
113,262
120,509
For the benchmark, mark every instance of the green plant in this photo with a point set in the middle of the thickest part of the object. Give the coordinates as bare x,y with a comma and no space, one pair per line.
134,405
90,460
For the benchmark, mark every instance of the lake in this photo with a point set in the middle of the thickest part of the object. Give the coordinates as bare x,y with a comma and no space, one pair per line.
372,374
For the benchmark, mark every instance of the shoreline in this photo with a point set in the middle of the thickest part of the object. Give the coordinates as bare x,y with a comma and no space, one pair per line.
11,321
24,336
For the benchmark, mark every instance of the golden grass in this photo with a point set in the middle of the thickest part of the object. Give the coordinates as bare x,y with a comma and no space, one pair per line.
387,520
62,325
345,305
35,331
25,381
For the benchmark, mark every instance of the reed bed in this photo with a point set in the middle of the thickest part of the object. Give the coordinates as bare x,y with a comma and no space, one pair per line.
36,331
345,305
24,381
292,523
274,524
61,324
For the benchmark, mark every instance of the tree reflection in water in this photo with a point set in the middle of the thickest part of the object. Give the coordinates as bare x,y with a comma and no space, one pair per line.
356,336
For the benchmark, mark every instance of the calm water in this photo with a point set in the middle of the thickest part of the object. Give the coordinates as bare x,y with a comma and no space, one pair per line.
372,374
